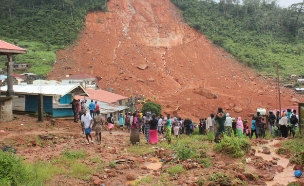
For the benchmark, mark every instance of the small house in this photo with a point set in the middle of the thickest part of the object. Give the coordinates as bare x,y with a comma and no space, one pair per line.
56,98
107,97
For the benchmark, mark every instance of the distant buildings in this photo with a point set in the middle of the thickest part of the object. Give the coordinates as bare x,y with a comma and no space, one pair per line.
85,80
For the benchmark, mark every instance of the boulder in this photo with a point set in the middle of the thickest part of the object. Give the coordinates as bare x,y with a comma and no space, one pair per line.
279,169
206,93
238,109
142,66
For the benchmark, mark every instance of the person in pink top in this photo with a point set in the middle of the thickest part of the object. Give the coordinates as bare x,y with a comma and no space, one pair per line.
96,108
239,127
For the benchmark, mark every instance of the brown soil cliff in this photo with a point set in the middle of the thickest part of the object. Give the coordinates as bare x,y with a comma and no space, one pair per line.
183,70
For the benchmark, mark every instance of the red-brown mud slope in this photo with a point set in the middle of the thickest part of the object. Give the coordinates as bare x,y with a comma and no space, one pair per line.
184,71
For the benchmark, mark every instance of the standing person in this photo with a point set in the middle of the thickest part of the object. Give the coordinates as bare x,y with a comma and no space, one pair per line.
294,119
168,129
74,109
134,137
97,126
187,124
92,108
78,109
183,126
278,117
283,126
191,127
258,124
147,127
239,127
234,126
210,127
86,121
228,125
253,128
220,118
272,120
153,130
160,125
201,126
96,108
110,121
121,120
263,128
176,127
144,123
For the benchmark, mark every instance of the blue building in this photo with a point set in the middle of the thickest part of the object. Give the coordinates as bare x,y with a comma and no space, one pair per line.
56,98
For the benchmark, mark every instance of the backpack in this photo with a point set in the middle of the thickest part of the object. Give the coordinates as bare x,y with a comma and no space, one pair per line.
293,119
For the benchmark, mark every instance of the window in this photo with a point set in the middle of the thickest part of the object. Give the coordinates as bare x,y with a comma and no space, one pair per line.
120,102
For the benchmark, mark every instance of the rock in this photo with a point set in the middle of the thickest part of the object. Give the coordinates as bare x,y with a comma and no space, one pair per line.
140,80
151,79
232,105
237,109
130,177
274,162
298,167
268,177
279,169
187,99
249,176
206,93
34,143
260,92
240,176
142,66
98,182
126,78
266,150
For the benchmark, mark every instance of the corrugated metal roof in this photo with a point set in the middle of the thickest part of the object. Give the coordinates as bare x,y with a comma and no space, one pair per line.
44,89
6,47
104,96
79,76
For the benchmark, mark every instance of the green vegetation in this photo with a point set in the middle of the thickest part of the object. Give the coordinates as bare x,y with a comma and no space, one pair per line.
258,33
14,171
175,170
233,146
221,178
293,147
74,154
42,27
152,107
147,179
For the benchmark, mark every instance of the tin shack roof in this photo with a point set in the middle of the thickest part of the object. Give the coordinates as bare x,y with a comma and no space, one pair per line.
51,90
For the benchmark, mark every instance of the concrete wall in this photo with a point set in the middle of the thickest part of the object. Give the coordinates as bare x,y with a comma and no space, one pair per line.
6,110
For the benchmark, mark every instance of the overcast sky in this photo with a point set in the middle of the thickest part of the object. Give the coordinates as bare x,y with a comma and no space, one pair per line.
286,3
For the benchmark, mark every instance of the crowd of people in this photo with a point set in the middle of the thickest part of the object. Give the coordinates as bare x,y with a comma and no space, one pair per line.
165,127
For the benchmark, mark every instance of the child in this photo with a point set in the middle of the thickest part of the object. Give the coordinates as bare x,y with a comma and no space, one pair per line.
247,131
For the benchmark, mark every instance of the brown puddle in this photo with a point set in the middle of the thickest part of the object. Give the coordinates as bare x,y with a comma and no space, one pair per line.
288,173
154,165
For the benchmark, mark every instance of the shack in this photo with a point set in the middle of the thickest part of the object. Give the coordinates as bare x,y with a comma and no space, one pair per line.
56,98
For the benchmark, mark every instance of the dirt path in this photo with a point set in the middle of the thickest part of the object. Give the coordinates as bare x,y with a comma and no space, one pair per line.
288,173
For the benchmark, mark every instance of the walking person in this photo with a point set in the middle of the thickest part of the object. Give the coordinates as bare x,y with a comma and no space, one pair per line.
92,108
239,127
258,124
97,126
283,126
86,121
78,109
253,128
210,127
160,125
121,120
110,121
134,136
176,127
74,109
272,120
96,108
147,127
294,119
220,119
228,125
153,130
168,129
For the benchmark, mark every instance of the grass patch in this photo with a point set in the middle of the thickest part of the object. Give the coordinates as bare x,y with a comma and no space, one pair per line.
206,162
293,146
74,154
220,178
233,146
175,170
112,165
146,179
15,171
141,149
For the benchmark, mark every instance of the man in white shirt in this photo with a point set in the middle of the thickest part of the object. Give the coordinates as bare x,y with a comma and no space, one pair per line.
86,121
228,125
160,125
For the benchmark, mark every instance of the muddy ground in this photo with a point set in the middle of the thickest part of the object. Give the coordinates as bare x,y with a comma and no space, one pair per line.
115,162
145,48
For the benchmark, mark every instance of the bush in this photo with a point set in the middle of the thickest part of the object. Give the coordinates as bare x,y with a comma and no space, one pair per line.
221,178
73,154
233,146
152,107
174,170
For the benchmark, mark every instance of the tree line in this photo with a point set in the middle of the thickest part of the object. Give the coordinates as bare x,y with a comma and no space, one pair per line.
257,32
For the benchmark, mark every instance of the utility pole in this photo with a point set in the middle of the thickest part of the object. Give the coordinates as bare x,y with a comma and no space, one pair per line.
278,81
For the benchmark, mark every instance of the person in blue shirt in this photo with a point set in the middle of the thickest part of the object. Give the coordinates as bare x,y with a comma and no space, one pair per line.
92,107
253,128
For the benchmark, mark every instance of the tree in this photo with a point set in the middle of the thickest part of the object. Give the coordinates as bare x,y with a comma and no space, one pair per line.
152,107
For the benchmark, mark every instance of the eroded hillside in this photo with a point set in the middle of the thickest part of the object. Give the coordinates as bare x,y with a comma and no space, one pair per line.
143,47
